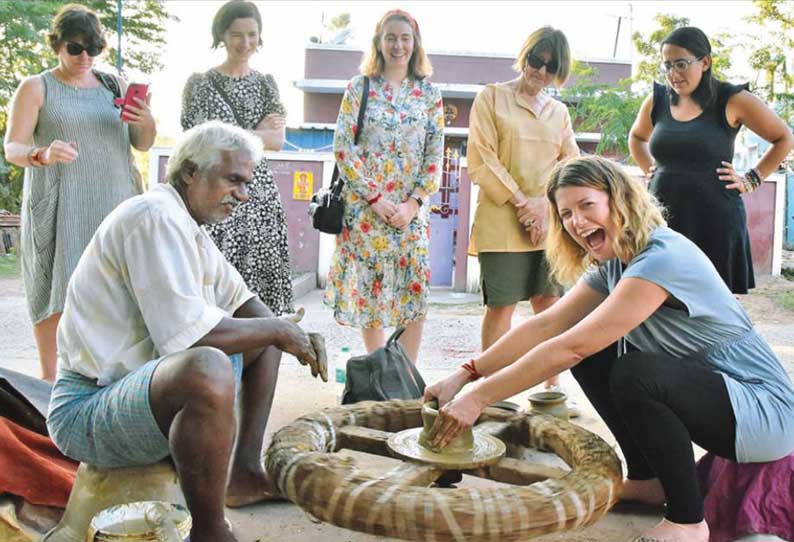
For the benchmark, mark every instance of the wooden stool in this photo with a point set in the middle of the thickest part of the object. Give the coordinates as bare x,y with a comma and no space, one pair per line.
96,489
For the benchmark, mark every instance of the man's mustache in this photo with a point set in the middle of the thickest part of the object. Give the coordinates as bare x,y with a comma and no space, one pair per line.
230,200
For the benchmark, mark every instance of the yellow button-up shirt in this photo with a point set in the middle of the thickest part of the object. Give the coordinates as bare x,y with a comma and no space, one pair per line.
514,143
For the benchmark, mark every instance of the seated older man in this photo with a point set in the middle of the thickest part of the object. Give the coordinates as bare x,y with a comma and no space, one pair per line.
158,331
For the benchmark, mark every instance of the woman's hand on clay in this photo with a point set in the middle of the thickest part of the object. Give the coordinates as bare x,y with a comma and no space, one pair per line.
444,390
455,417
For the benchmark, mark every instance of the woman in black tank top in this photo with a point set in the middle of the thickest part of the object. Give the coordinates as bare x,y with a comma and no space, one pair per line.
684,134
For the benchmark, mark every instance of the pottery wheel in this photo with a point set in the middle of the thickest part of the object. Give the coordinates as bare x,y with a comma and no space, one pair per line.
487,450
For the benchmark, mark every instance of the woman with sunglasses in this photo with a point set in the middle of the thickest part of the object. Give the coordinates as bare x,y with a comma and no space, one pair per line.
684,137
68,134
517,134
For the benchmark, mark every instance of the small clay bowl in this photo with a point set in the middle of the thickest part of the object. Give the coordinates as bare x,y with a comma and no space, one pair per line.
551,403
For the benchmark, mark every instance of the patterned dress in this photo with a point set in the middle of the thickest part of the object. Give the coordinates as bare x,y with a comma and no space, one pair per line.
64,204
380,274
254,238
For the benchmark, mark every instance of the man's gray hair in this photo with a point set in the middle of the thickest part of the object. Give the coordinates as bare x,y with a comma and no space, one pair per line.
202,145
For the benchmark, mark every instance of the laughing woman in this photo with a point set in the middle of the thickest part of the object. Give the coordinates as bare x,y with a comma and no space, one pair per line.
695,371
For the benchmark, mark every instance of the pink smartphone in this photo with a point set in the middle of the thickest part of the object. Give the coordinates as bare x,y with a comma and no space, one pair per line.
135,90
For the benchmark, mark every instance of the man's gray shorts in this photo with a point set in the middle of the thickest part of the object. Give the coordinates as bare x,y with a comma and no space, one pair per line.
110,426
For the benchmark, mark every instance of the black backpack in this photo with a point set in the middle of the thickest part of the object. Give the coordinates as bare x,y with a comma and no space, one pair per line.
385,374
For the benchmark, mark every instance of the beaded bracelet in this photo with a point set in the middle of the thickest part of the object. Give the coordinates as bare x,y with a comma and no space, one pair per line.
472,370
374,200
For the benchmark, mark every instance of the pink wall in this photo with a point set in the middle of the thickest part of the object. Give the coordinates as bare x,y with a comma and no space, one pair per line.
304,240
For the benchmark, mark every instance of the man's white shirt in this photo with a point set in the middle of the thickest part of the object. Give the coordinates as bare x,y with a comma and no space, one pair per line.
150,283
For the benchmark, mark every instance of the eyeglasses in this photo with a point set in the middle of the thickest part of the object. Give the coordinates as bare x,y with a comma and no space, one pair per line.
537,63
681,65
76,49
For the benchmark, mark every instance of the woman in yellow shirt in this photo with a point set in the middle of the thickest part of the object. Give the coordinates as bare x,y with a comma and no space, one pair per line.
517,134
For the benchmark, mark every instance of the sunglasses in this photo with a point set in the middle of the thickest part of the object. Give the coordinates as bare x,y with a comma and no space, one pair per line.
537,63
76,49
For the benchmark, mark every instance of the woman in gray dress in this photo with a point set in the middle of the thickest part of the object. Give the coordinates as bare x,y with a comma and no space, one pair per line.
254,238
67,133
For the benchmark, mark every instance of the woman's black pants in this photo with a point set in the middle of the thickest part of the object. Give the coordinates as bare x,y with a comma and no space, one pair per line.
656,406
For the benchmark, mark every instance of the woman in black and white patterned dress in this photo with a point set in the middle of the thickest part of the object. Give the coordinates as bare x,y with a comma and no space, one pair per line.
254,238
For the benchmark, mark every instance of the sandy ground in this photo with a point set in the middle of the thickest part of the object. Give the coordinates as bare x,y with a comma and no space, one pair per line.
451,337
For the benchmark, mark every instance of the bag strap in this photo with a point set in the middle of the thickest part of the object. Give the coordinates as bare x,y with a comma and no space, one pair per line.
417,377
337,183
362,108
110,82
225,98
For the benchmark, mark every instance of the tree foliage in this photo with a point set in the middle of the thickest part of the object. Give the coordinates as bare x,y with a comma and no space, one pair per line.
603,108
338,28
24,50
771,49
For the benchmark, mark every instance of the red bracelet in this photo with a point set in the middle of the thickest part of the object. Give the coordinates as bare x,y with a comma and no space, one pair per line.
373,201
472,370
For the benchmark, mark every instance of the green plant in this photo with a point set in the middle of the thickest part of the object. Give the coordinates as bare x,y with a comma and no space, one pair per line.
9,265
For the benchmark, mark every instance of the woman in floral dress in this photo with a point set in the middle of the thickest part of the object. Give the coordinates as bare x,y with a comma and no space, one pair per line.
380,272
254,238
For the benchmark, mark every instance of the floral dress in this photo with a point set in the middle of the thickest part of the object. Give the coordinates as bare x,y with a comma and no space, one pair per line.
254,238
380,274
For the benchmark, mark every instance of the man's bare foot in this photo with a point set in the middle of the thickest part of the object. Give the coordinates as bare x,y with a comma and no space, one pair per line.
648,492
667,531
201,532
248,487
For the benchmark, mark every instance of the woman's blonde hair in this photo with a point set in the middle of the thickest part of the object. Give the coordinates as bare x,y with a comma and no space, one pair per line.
419,66
547,40
632,208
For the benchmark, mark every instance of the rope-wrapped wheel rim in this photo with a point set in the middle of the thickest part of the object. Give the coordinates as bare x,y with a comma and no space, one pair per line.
542,500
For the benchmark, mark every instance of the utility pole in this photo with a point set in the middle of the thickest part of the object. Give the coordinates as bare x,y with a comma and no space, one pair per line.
118,32
617,35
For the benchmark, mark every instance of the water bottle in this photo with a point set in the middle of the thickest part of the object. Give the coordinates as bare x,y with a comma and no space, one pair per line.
340,372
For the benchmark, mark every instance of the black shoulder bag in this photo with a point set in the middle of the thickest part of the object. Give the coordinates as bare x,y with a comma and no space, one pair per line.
327,205
385,374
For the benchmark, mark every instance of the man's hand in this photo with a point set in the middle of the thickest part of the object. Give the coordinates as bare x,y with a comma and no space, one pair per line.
321,367
312,351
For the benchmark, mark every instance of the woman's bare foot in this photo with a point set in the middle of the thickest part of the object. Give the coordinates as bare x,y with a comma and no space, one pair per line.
246,488
667,531
648,492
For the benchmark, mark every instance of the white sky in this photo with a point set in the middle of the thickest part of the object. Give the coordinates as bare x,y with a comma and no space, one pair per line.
476,26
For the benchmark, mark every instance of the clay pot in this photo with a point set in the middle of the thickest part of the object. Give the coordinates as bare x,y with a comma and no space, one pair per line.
463,443
551,403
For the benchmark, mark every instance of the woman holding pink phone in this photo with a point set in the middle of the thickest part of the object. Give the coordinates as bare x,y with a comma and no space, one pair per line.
66,131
